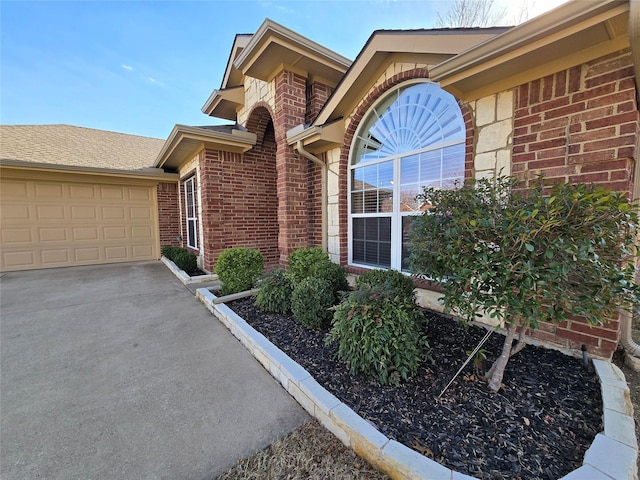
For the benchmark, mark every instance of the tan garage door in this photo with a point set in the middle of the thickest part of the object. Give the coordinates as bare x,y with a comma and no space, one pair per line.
46,224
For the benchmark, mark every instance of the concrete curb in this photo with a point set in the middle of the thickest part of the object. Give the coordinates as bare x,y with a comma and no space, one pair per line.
612,455
183,277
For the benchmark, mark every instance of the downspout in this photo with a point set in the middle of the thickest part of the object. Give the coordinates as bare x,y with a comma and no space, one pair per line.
323,190
634,40
631,348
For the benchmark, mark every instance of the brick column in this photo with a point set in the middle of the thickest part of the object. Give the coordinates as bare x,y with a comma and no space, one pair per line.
290,110
211,181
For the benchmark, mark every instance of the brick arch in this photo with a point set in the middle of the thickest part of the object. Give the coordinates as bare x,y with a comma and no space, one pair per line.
352,127
259,119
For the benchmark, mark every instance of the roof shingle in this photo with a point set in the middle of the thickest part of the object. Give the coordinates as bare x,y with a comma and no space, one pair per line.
77,146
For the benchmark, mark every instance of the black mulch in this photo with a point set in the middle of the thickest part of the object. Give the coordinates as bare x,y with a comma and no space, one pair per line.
537,427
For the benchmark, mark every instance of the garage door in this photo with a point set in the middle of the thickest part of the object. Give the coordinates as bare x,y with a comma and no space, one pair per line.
46,224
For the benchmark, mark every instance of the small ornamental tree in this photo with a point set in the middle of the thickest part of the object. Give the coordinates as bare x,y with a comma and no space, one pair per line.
526,256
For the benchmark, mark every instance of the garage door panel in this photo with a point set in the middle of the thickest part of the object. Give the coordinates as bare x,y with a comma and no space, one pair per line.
13,190
13,212
140,213
82,192
53,234
85,255
23,259
142,250
16,235
84,212
141,233
51,224
116,253
113,213
50,257
85,233
111,193
49,190
115,233
139,194
50,212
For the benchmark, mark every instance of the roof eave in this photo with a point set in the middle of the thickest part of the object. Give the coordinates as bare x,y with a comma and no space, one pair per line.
481,69
184,141
142,174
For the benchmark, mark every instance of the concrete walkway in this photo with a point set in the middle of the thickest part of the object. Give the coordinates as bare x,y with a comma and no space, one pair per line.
118,372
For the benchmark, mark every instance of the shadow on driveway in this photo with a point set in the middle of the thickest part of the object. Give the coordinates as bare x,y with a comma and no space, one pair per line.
117,371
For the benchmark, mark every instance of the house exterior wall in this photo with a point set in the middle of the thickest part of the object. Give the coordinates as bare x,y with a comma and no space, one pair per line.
580,125
255,92
191,168
168,214
577,125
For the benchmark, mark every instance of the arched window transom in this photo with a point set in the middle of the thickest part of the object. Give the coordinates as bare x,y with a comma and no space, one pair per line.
412,138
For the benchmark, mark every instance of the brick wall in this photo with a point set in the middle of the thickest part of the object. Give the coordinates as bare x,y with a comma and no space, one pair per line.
292,179
581,126
168,214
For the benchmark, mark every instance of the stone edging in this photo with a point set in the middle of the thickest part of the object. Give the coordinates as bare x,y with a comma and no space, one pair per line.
183,277
612,455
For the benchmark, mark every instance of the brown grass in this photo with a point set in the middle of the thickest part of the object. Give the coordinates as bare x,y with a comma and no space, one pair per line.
308,453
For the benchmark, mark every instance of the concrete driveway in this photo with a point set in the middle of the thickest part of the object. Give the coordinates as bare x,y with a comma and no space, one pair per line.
117,371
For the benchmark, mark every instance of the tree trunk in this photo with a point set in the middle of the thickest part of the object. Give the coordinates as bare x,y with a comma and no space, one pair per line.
495,374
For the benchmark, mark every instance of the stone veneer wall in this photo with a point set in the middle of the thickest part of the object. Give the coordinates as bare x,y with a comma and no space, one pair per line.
493,117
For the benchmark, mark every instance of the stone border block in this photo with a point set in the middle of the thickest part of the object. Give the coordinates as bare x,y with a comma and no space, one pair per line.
612,455
612,458
183,277
409,464
620,428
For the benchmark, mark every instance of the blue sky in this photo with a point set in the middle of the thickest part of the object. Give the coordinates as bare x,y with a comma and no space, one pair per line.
140,67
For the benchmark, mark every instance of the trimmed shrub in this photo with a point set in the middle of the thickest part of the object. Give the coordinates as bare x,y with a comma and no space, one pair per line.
393,279
302,261
275,293
186,261
238,269
170,252
333,273
311,301
379,333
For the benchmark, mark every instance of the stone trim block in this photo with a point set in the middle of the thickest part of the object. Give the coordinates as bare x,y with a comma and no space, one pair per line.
612,455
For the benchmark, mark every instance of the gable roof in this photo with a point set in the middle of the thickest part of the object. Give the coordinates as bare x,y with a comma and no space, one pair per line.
67,145
262,55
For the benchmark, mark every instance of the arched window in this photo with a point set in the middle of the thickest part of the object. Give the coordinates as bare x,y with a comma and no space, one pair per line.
412,138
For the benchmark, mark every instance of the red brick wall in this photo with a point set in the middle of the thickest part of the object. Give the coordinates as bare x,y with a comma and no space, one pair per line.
291,105
168,214
580,125
317,95
314,203
373,96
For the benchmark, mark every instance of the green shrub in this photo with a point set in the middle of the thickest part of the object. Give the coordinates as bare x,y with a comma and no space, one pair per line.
379,333
186,261
310,302
275,293
170,252
333,273
239,268
394,280
302,261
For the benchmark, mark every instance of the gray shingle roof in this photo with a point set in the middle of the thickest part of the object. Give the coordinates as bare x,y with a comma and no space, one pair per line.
77,146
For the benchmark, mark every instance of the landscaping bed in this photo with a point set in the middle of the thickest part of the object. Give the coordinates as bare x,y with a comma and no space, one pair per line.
537,427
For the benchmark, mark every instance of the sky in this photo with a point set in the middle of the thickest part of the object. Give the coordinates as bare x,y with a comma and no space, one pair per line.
140,67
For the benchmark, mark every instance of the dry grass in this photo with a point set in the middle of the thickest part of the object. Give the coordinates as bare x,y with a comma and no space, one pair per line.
309,453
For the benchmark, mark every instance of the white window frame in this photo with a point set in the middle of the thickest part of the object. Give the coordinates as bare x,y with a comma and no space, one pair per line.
396,214
191,212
